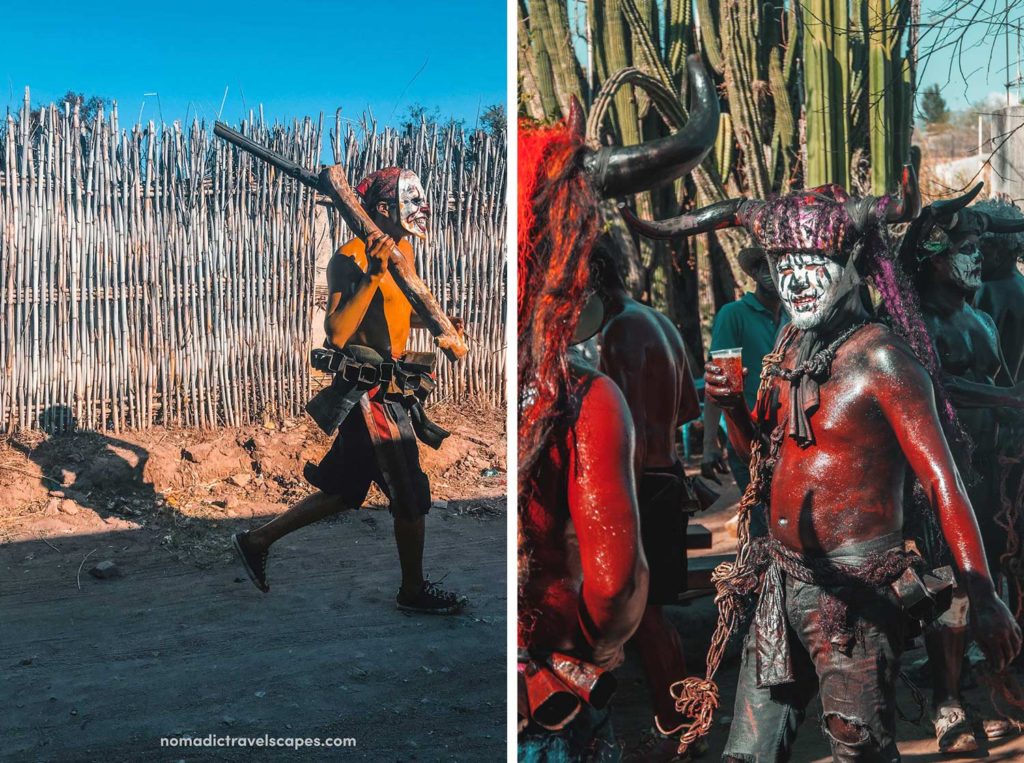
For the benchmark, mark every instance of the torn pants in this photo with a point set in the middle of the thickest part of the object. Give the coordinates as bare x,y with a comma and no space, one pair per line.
856,681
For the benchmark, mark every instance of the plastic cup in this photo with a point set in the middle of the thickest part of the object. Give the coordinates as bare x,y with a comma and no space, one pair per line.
731,362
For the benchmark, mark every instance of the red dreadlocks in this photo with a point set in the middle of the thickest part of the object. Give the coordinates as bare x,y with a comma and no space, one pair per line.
558,224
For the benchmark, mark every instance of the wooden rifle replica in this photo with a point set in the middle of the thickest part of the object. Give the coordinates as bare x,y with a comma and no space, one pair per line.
331,182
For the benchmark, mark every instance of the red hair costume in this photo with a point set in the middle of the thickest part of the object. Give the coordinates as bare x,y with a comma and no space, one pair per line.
561,181
558,225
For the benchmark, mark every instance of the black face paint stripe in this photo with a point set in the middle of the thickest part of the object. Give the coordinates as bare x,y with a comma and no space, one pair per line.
824,275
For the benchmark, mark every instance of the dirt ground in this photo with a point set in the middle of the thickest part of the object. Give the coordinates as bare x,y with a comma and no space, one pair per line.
180,643
695,622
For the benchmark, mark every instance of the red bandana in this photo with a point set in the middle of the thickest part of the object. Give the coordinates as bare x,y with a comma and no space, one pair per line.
381,185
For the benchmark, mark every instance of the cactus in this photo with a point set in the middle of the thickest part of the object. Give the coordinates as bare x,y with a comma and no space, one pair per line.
854,89
678,18
837,65
535,69
724,147
826,91
753,44
880,101
569,81
857,90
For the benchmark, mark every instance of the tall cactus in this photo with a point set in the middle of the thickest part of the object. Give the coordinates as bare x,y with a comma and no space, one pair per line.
536,76
836,68
753,45
826,59
857,90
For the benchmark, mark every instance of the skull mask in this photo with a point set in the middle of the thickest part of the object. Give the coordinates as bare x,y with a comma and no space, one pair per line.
949,232
812,238
964,267
412,210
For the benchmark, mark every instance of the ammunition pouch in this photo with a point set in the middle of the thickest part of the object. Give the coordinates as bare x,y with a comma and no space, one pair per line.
358,370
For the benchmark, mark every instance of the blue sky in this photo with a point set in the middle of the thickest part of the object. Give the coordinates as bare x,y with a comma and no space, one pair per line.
318,55
970,71
297,57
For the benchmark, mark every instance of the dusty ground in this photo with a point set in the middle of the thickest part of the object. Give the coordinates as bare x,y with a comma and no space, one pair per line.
695,623
181,643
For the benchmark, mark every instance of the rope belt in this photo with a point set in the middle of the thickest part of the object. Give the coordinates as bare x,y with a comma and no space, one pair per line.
875,572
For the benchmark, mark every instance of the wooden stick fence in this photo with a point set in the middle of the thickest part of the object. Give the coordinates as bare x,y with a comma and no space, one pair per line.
156,277
464,260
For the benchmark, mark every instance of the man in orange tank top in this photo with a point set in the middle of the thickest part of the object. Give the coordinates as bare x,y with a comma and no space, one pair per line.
368,320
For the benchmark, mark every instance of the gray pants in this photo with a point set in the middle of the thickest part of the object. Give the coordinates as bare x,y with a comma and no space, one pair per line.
856,682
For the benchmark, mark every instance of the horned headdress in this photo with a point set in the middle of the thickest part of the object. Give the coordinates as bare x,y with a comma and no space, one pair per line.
945,225
824,219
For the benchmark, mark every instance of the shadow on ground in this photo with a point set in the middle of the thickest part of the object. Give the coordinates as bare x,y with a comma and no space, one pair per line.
102,669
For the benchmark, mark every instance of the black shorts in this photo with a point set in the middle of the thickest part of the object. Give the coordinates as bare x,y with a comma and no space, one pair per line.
375,443
662,498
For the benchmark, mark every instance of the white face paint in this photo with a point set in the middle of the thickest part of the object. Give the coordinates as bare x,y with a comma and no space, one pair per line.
413,210
807,284
965,268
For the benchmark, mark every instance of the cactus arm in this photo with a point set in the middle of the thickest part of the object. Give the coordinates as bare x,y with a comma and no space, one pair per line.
710,34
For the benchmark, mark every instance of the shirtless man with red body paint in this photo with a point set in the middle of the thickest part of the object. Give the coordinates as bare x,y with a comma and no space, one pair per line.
846,407
582,572
587,574
643,353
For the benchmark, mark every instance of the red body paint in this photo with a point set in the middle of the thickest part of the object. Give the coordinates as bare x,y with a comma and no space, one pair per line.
580,524
643,353
876,417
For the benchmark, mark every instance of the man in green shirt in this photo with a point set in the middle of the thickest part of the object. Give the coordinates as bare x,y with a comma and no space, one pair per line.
751,322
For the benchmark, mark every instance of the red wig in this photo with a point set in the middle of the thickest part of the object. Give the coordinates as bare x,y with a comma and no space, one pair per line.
559,222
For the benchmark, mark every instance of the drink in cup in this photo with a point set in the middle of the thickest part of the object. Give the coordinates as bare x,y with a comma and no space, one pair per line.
731,363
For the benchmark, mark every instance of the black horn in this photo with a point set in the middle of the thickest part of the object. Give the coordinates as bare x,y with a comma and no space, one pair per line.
624,170
939,213
944,210
908,205
723,214
994,224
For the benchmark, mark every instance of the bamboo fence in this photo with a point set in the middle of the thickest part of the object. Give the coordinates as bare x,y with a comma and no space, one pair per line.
158,276
464,259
